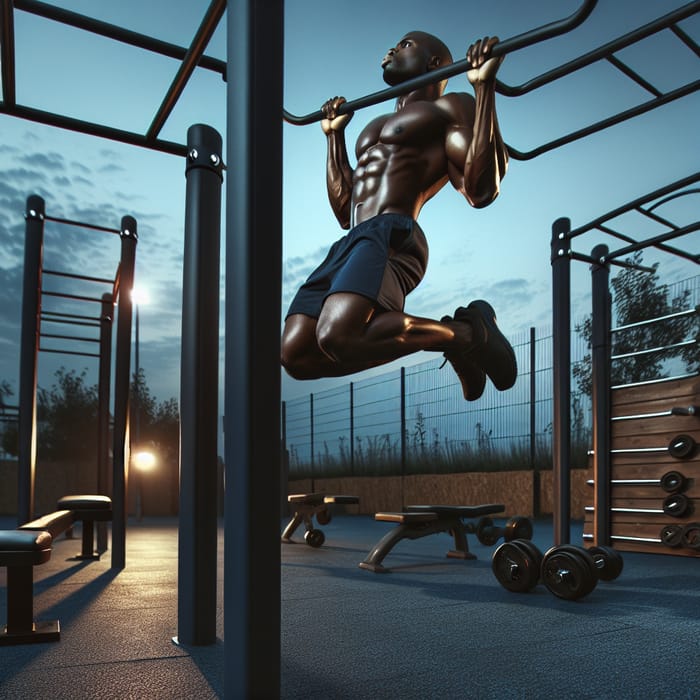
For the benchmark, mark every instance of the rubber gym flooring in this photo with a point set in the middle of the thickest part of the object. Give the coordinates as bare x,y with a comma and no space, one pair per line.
432,627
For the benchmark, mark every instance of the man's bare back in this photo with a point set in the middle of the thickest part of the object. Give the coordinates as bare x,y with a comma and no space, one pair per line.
340,321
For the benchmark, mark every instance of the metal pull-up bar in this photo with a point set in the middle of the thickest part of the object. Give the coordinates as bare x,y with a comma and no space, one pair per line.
534,36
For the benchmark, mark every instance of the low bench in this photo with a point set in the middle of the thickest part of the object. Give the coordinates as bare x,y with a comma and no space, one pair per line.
420,521
308,505
20,552
29,546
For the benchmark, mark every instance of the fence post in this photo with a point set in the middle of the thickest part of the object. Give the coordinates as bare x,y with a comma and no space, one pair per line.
600,397
311,439
403,434
352,429
533,442
561,387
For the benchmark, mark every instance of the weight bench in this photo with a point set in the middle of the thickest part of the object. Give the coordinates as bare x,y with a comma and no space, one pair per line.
419,521
30,545
306,505
87,509
20,552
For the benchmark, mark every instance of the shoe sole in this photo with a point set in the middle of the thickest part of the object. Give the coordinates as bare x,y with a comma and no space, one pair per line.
503,370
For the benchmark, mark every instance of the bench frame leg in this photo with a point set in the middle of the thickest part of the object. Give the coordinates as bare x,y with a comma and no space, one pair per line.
413,531
304,513
20,627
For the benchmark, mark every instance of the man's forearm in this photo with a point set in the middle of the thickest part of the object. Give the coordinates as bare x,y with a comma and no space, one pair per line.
339,178
487,157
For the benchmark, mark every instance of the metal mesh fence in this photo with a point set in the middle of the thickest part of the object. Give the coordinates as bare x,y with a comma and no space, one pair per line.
415,419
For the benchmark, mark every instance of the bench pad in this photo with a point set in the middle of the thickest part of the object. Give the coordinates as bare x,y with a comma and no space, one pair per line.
460,511
406,517
55,523
24,547
84,502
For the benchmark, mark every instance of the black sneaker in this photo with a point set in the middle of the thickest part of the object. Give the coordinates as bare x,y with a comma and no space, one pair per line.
470,375
492,351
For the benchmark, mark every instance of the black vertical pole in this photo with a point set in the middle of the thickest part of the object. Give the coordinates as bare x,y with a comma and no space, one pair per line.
311,439
352,429
28,358
103,396
600,398
199,380
533,427
122,364
253,293
561,390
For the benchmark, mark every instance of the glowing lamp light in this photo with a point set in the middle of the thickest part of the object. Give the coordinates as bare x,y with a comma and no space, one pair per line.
144,461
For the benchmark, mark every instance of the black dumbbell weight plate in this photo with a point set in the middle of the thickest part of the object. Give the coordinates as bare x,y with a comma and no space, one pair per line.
608,562
515,567
671,535
690,536
681,447
673,482
323,517
518,528
532,549
569,572
486,532
676,505
314,538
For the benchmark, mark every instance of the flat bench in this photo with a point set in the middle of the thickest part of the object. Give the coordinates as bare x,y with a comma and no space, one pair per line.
308,505
420,521
29,546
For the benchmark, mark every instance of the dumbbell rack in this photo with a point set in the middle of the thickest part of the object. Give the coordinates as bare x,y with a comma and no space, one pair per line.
646,419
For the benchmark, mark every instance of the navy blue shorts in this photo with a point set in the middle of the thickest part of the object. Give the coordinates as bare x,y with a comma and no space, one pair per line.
383,259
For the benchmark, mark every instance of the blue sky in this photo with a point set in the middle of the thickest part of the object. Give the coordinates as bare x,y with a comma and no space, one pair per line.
500,253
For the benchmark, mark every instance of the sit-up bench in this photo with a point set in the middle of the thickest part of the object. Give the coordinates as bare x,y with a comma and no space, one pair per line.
419,521
306,505
30,545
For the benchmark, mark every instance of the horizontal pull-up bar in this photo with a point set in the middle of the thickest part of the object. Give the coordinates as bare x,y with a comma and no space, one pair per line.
669,189
80,224
520,41
60,317
80,338
70,352
76,297
74,276
111,31
606,50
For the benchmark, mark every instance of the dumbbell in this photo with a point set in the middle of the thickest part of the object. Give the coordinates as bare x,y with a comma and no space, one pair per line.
682,447
676,505
568,571
516,528
675,536
671,482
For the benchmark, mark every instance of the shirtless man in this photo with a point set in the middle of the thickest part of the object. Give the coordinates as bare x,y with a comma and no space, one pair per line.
348,316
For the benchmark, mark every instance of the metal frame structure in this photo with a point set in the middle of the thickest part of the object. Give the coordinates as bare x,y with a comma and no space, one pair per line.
253,284
34,314
600,259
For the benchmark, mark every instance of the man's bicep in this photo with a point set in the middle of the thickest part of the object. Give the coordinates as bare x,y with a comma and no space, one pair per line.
456,148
